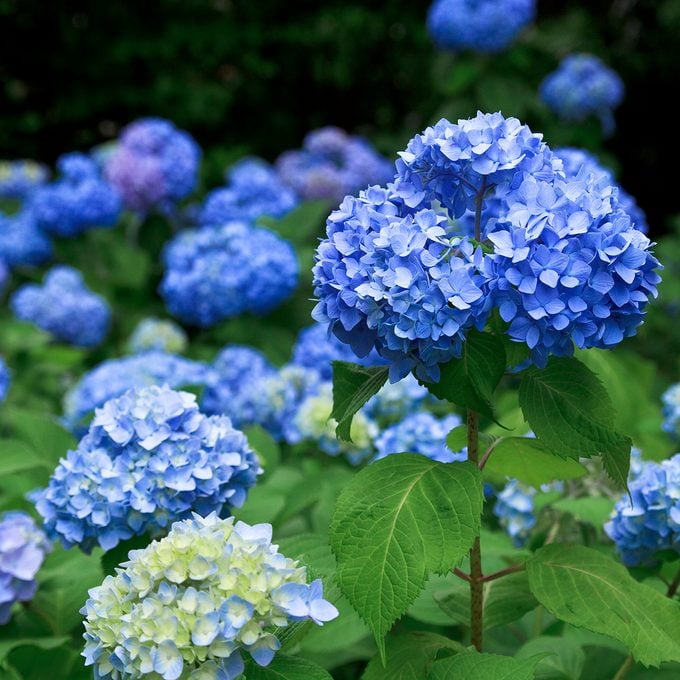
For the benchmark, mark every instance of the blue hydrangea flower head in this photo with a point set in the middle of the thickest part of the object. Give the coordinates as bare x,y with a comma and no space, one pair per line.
114,377
312,423
578,162
149,458
671,410
651,523
161,335
332,164
81,199
64,307
18,179
420,433
254,190
5,380
23,547
215,273
154,166
480,25
4,276
395,401
191,604
22,242
316,349
583,86
514,509
228,390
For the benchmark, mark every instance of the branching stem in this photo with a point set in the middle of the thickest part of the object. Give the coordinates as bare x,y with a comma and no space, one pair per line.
503,572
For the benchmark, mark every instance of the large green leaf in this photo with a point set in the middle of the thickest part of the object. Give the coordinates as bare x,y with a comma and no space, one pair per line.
565,660
286,668
410,656
571,413
353,386
470,381
49,440
588,589
531,462
592,509
17,456
6,646
505,600
401,519
475,666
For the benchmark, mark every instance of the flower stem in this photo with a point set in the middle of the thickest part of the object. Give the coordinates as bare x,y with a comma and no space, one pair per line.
625,667
503,572
673,586
478,210
476,582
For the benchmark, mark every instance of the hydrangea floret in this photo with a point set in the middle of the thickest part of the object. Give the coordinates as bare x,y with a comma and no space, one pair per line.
194,603
479,25
149,458
64,307
23,547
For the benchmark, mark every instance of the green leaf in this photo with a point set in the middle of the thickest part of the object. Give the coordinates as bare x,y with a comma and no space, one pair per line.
531,462
17,456
470,381
565,662
399,520
6,646
457,439
571,413
591,509
583,587
286,668
353,386
475,666
265,446
426,607
49,439
410,656
505,600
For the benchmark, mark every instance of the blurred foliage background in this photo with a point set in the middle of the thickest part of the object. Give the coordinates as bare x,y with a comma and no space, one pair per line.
246,76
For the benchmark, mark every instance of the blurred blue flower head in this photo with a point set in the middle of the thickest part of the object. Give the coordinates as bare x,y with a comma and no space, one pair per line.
114,377
583,86
81,199
332,164
192,603
420,433
479,25
18,179
22,242
23,547
651,523
5,380
215,273
161,335
254,190
149,458
671,410
64,307
154,165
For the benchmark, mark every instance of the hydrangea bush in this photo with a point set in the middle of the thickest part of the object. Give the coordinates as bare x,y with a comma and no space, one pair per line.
193,603
150,457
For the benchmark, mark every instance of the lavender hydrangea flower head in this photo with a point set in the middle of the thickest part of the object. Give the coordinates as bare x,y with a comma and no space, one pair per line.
22,242
157,334
23,547
579,163
64,307
420,433
236,374
332,164
191,604
149,458
219,272
5,379
154,166
19,178
671,410
480,25
651,523
114,377
313,423
79,200
254,190
582,86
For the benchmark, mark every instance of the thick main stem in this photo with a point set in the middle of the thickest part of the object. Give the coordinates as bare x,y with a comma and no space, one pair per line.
476,583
